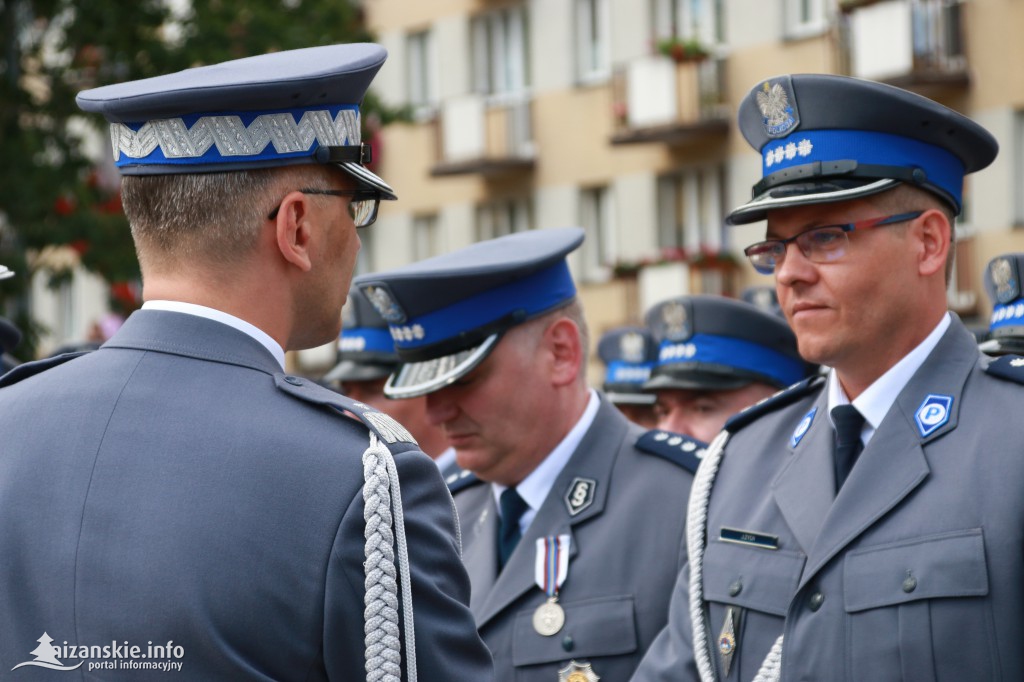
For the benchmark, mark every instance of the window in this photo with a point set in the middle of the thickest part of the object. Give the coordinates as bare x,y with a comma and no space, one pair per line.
1018,154
803,17
593,41
598,250
499,41
498,218
691,209
421,73
426,237
697,20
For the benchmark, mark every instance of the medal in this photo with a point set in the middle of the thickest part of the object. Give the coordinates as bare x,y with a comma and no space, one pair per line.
550,570
727,638
578,672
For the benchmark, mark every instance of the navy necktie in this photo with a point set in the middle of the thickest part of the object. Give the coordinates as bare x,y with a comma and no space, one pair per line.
848,422
512,509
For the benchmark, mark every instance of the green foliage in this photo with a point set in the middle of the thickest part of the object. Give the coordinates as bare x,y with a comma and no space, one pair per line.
51,49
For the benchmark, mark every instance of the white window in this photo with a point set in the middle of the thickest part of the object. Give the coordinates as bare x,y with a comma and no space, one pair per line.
498,218
421,73
804,17
426,237
688,20
691,209
597,254
593,41
499,48
1018,183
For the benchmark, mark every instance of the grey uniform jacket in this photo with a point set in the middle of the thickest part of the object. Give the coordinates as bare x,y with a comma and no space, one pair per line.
624,511
176,486
915,571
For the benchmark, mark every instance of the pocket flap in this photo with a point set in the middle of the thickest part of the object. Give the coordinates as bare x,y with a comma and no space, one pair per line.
946,565
598,627
752,577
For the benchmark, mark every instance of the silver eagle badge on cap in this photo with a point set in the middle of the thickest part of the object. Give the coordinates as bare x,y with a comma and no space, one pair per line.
631,347
1007,287
779,114
675,319
385,303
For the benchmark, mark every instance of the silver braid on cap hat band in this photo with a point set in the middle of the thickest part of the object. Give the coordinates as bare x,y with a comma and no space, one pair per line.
696,543
233,138
382,508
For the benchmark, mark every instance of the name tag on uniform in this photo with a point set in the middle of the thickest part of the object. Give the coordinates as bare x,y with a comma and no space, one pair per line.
749,537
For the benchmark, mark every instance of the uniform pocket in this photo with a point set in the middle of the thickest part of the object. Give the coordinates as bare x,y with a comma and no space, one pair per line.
915,607
596,627
751,577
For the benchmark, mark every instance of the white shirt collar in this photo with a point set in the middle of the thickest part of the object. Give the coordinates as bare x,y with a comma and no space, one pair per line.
224,318
534,488
876,400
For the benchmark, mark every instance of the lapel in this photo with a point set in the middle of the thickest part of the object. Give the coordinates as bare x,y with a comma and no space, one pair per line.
894,463
481,553
804,489
593,460
192,336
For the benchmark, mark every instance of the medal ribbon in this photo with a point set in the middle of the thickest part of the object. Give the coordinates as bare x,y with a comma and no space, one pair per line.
552,564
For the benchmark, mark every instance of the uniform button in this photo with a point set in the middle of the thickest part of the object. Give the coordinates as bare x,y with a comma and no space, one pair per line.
294,381
816,600
735,588
909,584
568,643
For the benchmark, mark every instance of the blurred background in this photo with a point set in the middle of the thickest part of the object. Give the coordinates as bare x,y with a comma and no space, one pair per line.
496,116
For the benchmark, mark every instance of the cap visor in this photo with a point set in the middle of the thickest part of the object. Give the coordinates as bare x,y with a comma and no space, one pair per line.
367,179
696,381
5,272
619,398
1004,346
413,379
347,370
800,194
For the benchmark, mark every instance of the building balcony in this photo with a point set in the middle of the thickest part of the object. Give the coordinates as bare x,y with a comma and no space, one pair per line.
485,135
913,44
659,99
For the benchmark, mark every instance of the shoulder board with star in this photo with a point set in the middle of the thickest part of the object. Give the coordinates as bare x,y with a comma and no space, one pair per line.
1009,367
386,428
30,369
461,480
774,402
677,448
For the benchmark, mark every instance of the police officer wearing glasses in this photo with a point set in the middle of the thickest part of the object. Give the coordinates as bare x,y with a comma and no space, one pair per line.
867,524
177,485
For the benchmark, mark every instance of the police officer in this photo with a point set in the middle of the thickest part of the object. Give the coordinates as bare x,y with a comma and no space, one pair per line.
866,525
716,356
176,486
628,354
366,357
572,536
1003,286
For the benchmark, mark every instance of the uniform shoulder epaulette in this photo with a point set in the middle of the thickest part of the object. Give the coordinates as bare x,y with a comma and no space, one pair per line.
677,448
30,369
1009,367
461,480
773,402
386,428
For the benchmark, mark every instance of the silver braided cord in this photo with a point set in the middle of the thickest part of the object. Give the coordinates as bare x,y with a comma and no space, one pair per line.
696,527
381,493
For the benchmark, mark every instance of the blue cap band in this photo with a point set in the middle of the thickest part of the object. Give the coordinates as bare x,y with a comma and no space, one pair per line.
234,137
366,339
621,372
1011,314
942,168
531,295
724,350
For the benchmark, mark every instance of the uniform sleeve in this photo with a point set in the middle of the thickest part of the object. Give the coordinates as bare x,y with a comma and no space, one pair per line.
670,656
447,643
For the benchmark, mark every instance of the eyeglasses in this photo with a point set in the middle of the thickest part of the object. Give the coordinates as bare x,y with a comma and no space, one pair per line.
819,244
362,207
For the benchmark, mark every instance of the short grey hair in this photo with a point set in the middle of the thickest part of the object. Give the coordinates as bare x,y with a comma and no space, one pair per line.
573,311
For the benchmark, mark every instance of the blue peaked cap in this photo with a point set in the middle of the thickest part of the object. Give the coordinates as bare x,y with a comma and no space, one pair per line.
718,343
1005,290
445,314
277,109
825,138
629,354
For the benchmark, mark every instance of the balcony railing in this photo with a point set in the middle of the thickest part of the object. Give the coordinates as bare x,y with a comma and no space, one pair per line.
477,134
916,44
658,99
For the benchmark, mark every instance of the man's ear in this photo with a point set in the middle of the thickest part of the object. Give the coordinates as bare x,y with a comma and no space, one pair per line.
293,230
935,235
562,339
